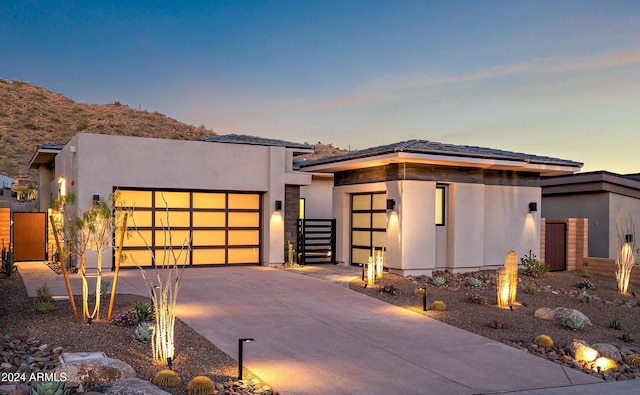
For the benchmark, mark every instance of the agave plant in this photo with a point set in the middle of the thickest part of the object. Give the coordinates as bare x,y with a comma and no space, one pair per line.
50,388
143,332
474,282
574,323
438,281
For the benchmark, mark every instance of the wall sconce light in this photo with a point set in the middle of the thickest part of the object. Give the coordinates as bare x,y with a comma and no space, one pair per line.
240,351
96,198
533,207
278,205
628,238
391,204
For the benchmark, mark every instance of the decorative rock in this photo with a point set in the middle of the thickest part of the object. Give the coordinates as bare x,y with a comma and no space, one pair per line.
581,351
560,313
608,350
95,371
544,313
130,386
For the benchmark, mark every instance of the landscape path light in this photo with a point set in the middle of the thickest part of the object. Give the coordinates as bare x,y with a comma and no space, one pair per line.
241,341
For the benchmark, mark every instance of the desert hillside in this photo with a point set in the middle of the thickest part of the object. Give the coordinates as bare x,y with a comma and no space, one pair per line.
31,115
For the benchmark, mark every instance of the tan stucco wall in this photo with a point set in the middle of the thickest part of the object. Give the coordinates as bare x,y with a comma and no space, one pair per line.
318,197
102,162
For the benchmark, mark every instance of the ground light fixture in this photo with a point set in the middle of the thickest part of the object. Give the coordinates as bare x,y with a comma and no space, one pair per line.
424,298
240,351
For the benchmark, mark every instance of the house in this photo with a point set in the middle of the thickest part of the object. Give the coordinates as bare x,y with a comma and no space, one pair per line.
430,206
604,198
436,206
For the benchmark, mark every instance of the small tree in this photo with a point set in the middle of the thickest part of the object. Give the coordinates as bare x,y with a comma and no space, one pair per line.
625,259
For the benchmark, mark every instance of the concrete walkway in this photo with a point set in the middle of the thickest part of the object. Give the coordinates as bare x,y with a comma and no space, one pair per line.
314,336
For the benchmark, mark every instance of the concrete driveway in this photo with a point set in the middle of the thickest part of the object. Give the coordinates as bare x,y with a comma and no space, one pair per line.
314,336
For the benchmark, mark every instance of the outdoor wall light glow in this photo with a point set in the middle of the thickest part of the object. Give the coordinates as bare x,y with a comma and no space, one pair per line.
240,351
391,204
278,205
533,207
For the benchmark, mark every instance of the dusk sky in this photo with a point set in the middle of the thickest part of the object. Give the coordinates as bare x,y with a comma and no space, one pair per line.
554,78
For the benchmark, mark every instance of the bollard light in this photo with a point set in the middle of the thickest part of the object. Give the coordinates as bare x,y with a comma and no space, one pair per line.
424,298
240,343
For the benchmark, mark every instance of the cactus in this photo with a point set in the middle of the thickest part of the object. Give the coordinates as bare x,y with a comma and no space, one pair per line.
7,261
573,323
143,332
615,325
474,282
201,385
586,298
166,378
438,281
50,388
438,305
543,341
633,360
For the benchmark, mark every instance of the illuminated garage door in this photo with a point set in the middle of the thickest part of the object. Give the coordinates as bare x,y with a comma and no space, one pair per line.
368,225
223,228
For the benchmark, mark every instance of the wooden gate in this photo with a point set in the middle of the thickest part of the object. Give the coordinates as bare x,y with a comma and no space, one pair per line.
29,236
556,246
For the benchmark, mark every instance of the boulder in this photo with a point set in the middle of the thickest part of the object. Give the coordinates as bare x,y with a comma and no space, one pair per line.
82,373
130,386
580,350
560,313
544,313
608,350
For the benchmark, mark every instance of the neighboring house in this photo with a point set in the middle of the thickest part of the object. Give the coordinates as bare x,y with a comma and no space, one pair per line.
6,181
432,206
604,198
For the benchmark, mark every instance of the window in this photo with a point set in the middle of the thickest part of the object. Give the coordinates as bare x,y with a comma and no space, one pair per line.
440,205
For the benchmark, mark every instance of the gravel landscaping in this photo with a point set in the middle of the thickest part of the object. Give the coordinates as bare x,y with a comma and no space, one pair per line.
31,342
518,327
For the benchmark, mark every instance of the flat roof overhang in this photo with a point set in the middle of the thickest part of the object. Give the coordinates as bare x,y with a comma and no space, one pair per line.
43,156
458,161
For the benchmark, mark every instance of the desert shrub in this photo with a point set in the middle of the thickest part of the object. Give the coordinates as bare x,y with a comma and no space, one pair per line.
389,289
143,312
530,289
438,305
82,124
585,273
475,298
585,284
534,267
126,318
543,341
44,301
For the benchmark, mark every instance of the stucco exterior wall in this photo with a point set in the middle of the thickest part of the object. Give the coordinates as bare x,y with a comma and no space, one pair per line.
318,197
595,207
101,163
466,226
620,208
508,223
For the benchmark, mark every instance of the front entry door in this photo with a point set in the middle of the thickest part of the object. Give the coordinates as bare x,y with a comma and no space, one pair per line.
555,242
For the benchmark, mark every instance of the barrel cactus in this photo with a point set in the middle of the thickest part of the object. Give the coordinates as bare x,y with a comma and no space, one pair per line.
143,332
166,378
201,385
633,360
543,341
438,305
50,388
